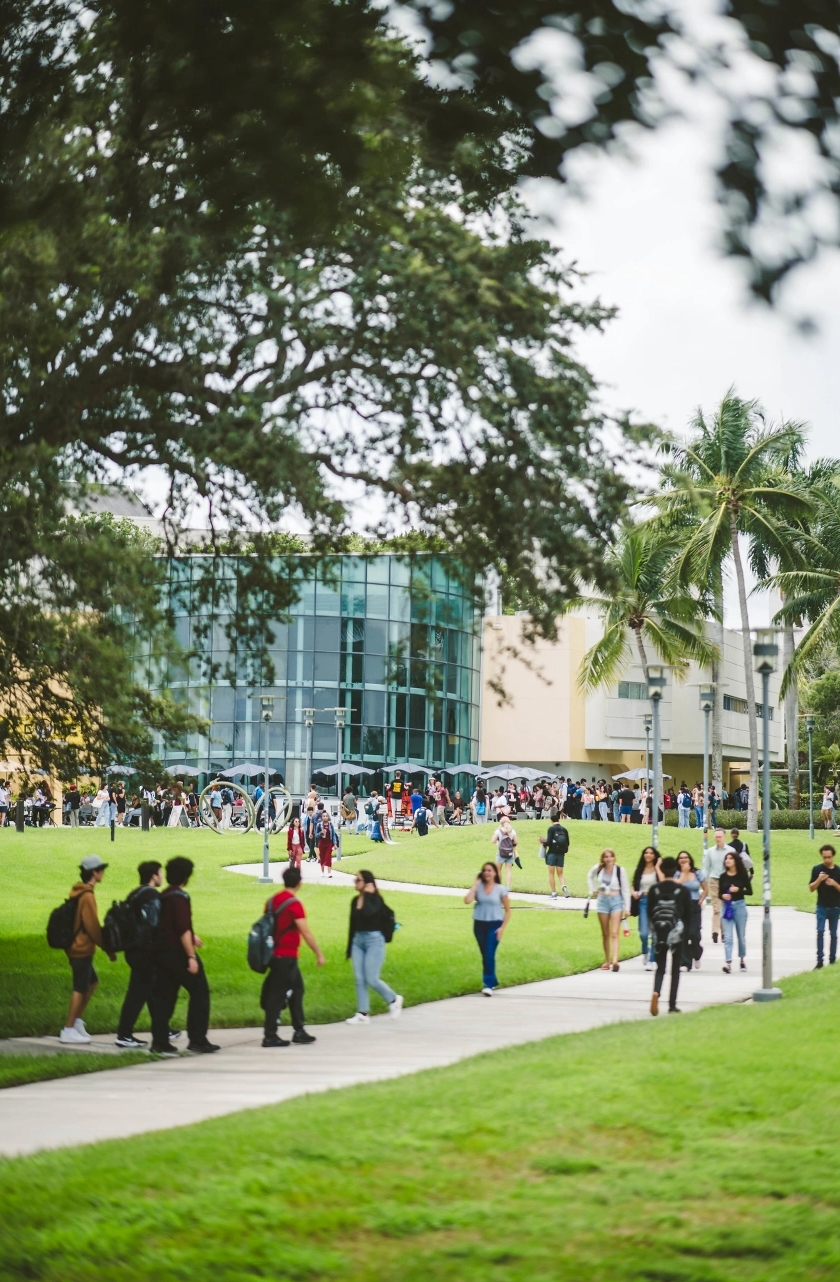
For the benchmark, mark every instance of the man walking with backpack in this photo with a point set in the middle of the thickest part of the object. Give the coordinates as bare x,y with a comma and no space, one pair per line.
141,945
556,842
86,938
284,980
669,915
177,966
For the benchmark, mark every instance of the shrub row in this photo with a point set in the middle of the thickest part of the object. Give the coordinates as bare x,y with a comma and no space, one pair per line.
738,819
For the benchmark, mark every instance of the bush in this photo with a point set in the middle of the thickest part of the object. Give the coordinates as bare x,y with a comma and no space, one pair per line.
738,819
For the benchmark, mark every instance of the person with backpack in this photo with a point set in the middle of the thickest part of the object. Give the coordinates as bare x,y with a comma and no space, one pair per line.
691,877
371,928
683,807
734,886
326,840
669,918
284,981
143,905
609,883
309,830
556,843
491,915
506,839
84,936
478,804
178,966
420,823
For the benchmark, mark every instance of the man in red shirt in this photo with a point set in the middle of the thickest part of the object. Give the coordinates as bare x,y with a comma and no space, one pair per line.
284,980
177,966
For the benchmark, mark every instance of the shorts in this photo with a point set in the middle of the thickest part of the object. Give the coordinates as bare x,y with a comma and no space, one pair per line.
553,860
627,810
610,903
84,974
502,859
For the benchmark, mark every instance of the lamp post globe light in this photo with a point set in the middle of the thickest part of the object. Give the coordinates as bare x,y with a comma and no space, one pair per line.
765,653
809,726
267,702
340,723
707,703
309,722
656,687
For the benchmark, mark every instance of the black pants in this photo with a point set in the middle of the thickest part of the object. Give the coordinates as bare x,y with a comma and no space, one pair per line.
661,961
692,948
171,975
282,984
139,991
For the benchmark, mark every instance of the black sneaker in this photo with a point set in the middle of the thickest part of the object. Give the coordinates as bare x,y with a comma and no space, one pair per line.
714,936
302,1038
818,966
131,1043
275,1041
163,1050
674,1010
174,1034
202,1048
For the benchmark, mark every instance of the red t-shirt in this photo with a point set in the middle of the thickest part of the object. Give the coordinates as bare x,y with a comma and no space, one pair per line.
287,940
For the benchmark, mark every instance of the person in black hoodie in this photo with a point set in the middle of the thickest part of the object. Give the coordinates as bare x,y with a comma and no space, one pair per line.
141,959
669,920
366,947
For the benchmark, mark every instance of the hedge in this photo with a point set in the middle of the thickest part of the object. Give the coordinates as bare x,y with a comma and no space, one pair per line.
738,819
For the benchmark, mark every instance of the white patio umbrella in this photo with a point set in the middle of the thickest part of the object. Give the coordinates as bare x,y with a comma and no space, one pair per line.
506,772
246,768
466,770
182,769
410,767
641,773
346,768
7,766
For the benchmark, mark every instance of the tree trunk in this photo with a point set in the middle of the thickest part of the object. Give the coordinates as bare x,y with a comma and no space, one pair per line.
717,710
642,653
749,680
791,721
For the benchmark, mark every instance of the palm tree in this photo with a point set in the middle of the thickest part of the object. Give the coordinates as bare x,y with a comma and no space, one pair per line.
730,480
647,609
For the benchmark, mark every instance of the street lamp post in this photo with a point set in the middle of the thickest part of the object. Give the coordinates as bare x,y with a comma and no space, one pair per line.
765,652
309,722
707,702
656,686
266,715
340,722
809,726
648,722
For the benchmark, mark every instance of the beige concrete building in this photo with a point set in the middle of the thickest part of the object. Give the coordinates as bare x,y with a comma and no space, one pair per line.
544,720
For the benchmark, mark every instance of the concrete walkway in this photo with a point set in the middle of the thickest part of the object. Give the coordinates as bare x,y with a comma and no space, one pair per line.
169,1093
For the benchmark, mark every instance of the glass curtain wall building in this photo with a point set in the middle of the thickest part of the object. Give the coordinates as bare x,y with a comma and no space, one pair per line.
394,641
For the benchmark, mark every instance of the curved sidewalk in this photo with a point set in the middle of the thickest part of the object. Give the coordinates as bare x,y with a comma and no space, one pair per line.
169,1093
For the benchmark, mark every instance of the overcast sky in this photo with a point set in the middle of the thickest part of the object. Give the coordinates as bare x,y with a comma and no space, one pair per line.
687,329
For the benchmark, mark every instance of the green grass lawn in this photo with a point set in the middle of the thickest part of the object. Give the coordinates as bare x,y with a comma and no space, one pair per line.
692,1149
434,955
16,1070
452,856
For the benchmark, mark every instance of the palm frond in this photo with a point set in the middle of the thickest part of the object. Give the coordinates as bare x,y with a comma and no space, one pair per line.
604,661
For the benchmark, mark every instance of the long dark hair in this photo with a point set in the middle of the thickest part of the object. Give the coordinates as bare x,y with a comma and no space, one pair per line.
740,866
489,864
367,877
690,857
641,866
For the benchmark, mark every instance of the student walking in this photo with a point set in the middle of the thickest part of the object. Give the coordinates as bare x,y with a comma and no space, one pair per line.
734,886
556,842
644,879
825,880
326,839
669,912
370,923
608,882
177,966
144,902
295,842
506,839
491,915
713,861
284,982
689,876
87,937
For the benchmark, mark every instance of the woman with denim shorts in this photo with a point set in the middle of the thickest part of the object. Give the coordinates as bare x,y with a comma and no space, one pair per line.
608,883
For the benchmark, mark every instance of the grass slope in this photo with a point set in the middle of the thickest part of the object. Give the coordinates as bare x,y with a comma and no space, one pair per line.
452,856
17,1070
434,955
691,1149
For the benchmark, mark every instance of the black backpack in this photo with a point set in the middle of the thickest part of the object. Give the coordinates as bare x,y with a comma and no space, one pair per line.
61,927
388,922
134,923
560,841
665,919
261,940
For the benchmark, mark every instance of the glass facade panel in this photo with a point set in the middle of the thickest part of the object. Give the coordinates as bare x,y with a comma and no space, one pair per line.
380,624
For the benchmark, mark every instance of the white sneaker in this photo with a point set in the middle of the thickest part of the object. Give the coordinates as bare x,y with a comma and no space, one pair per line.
488,992
396,1006
553,894
358,1018
566,891
79,1025
73,1036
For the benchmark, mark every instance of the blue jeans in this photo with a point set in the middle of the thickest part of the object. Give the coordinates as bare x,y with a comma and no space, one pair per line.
648,943
698,815
617,811
683,813
738,923
107,814
586,811
829,916
367,954
485,934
